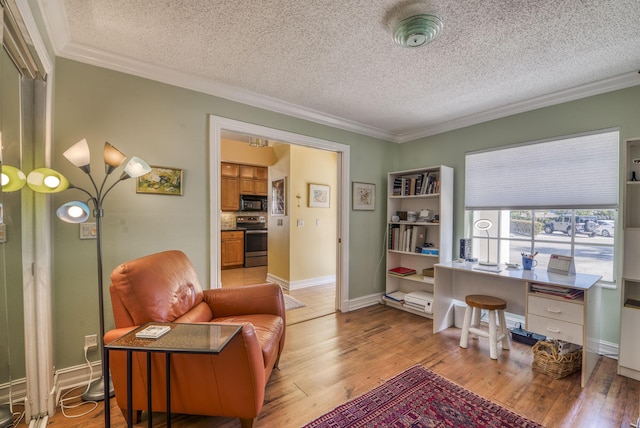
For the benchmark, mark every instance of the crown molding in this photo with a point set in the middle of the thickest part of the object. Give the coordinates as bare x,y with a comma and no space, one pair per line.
583,91
56,24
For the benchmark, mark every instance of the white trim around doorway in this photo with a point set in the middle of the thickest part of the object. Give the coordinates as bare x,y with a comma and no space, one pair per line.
219,124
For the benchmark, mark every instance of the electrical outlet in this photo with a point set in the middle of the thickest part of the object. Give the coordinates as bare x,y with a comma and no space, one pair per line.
91,341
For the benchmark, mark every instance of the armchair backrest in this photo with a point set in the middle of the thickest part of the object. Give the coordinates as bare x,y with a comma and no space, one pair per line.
160,287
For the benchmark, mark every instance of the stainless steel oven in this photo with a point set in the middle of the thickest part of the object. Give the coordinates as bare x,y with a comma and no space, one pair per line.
255,240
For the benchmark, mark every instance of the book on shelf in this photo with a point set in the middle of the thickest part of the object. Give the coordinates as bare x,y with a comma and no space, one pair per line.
396,296
632,303
153,332
416,184
402,271
406,237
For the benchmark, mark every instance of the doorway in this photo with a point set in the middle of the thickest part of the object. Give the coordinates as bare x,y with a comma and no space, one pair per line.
218,126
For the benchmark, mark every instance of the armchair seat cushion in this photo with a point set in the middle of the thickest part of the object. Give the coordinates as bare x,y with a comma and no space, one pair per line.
269,329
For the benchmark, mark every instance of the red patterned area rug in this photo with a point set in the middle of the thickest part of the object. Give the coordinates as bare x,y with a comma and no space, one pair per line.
419,398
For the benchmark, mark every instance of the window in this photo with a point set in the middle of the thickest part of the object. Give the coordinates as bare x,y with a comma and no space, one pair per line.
586,235
552,197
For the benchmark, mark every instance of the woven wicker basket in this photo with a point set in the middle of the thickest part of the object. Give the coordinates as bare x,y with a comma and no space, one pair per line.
546,360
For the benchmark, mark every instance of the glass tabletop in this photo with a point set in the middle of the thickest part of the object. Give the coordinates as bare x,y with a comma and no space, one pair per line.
181,337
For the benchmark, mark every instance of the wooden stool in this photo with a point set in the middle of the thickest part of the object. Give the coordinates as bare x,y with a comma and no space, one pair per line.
475,303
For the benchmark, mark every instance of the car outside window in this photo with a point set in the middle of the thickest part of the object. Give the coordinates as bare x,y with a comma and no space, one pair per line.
586,235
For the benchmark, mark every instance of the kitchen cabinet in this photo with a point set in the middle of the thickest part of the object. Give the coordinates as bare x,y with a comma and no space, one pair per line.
253,180
229,187
232,249
229,169
230,194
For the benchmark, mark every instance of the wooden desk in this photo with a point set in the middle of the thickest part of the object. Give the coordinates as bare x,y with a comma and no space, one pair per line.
576,321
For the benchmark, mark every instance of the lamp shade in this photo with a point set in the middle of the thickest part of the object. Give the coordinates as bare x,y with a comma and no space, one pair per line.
47,180
12,178
73,212
136,167
112,156
79,154
483,224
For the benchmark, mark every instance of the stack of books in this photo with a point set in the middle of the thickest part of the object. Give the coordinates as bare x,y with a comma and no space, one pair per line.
402,271
567,293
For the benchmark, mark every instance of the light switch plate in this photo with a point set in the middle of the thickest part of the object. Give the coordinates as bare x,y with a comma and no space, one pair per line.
300,222
88,231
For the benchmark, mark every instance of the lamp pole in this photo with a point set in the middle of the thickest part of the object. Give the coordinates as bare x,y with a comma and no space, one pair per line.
45,180
96,390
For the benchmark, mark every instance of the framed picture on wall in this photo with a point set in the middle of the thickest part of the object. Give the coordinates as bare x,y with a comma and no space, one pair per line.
364,196
279,197
161,180
319,195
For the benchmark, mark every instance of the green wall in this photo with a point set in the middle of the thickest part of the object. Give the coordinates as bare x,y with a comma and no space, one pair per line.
166,126
613,109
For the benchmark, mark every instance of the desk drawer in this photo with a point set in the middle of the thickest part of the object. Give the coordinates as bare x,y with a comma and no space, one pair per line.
555,329
556,309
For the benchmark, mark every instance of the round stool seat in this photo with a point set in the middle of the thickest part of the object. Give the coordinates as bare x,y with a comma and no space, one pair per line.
497,334
485,302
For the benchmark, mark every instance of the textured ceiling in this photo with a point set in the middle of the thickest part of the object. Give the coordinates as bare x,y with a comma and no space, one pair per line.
334,61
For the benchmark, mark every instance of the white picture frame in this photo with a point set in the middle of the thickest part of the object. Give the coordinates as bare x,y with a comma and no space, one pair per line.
319,195
363,196
279,197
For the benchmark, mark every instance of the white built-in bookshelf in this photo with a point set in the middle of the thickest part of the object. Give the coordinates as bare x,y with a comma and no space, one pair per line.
417,243
629,358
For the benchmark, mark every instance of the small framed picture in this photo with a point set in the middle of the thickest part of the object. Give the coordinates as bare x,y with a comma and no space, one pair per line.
319,195
161,180
3,233
279,197
364,196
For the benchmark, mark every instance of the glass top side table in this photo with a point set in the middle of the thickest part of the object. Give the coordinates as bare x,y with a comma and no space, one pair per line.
180,338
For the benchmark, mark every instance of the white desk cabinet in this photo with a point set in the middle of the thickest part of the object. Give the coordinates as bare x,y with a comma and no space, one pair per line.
576,321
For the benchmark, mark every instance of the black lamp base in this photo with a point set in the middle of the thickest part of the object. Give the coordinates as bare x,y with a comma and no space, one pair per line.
95,392
6,417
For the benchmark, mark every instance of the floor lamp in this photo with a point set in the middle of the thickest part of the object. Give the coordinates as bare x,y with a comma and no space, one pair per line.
45,180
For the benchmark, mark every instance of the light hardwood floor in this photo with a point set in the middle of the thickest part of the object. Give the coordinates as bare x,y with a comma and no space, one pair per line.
319,300
331,359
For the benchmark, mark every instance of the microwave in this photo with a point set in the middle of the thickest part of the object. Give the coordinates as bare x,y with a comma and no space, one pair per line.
253,203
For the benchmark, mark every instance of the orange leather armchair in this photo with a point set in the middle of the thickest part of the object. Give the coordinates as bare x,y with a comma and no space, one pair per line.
163,287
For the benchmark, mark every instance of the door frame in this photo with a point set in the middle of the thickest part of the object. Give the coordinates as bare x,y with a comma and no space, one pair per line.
217,125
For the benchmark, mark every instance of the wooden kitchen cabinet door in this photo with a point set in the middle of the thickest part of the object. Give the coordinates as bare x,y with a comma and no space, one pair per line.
229,194
232,249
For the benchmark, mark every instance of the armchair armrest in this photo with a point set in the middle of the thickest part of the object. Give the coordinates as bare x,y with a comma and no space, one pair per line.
252,299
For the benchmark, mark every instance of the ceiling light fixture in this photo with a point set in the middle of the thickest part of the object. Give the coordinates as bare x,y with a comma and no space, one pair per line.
416,31
258,142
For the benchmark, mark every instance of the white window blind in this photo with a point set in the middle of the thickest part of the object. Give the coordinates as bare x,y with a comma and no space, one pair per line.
574,172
